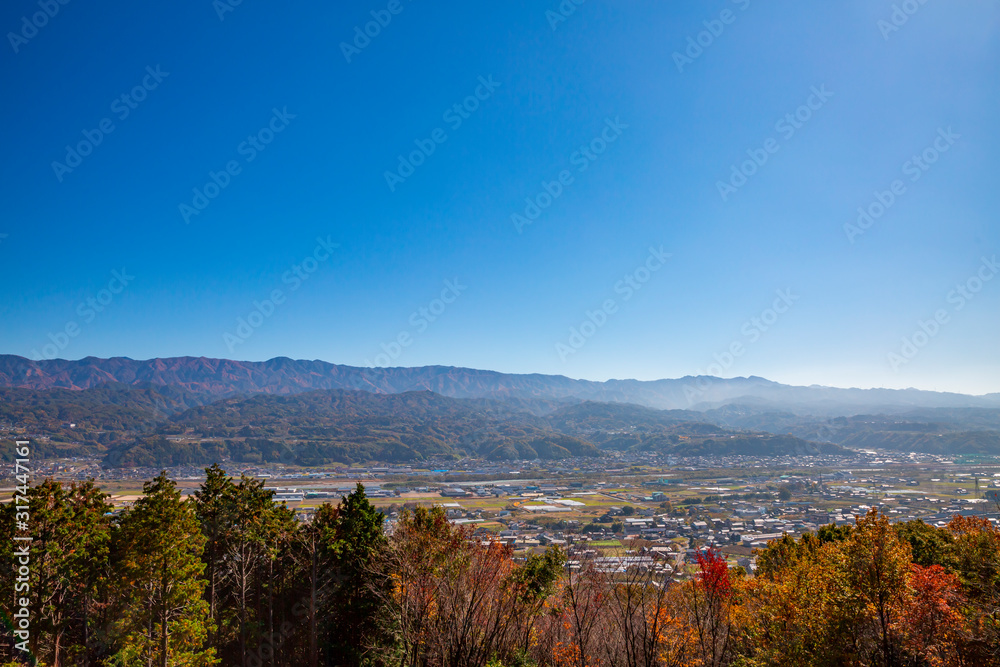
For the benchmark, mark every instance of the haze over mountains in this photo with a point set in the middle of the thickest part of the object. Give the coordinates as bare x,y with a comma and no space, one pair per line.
224,377
166,412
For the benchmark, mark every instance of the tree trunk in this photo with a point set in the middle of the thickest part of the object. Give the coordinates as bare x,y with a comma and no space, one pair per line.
163,640
313,639
150,635
86,631
270,609
163,617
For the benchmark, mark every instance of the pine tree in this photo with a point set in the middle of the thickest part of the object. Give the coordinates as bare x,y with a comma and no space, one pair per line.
211,502
357,538
313,552
165,620
70,558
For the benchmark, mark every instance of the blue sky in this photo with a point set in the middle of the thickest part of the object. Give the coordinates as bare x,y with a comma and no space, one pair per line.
429,267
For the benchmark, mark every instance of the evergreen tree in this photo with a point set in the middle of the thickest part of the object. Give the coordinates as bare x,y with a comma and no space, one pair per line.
356,535
69,560
164,619
211,502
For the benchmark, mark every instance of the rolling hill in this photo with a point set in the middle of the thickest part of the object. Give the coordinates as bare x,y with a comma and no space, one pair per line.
150,426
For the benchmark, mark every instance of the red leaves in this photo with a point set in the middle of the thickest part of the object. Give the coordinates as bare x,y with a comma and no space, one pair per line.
932,622
713,573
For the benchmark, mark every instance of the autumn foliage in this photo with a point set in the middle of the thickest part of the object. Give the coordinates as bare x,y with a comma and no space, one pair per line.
230,578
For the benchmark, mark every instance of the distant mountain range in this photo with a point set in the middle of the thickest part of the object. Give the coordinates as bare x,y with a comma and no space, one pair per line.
165,412
224,378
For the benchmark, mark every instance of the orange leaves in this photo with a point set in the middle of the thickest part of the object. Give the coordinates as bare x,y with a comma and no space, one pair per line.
973,525
855,599
676,639
931,622
566,655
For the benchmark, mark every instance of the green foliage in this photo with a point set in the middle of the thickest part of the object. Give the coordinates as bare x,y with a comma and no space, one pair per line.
69,565
536,578
356,540
162,617
833,533
929,545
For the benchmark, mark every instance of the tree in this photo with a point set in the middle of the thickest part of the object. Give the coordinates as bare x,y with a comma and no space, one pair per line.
313,551
975,557
573,632
164,619
210,507
249,535
928,545
533,583
878,564
455,600
932,623
355,538
798,610
89,563
69,560
710,603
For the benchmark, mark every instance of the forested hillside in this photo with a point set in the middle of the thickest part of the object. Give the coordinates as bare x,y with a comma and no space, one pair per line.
155,426
88,422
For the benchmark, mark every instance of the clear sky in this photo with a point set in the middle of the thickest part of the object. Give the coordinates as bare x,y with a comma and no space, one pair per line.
610,117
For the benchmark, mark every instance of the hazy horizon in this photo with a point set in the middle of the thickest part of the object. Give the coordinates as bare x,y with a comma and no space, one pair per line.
494,370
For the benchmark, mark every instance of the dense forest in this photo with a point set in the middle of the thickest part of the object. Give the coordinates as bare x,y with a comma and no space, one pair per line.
157,427
228,577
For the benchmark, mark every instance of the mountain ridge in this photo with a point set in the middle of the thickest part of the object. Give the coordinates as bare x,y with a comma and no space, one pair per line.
282,375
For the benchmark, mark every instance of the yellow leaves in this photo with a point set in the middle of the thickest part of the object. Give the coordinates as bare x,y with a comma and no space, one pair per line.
396,583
